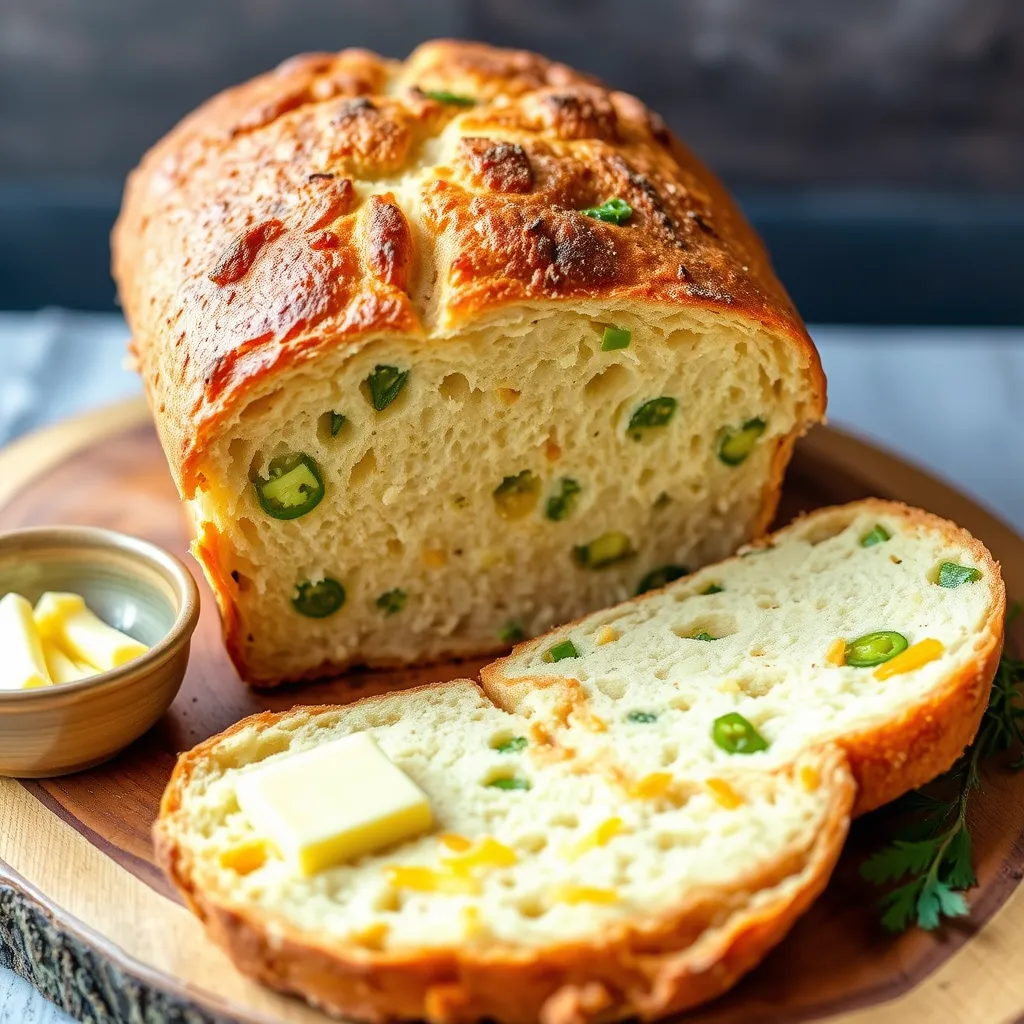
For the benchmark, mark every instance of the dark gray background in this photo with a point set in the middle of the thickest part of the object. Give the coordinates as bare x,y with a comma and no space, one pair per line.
877,145
909,93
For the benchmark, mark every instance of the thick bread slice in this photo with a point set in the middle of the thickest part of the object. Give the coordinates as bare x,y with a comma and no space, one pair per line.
334,217
781,609
701,880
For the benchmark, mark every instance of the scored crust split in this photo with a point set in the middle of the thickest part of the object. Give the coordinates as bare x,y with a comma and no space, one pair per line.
651,867
347,215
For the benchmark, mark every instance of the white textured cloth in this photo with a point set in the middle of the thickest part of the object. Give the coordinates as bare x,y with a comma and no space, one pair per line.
949,399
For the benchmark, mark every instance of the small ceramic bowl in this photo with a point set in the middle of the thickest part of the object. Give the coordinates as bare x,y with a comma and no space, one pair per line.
134,586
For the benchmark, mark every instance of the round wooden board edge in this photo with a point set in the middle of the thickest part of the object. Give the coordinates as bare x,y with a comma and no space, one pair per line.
58,958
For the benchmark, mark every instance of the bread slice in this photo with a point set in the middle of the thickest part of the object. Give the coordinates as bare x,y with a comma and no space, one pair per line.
649,868
778,614
414,296
617,904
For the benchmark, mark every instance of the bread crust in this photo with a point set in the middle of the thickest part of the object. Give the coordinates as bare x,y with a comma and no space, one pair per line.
898,755
646,969
244,248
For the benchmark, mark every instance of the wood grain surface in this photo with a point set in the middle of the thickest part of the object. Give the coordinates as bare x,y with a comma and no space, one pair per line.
90,920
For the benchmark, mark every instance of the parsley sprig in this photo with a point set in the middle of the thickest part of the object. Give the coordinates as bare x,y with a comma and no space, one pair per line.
934,853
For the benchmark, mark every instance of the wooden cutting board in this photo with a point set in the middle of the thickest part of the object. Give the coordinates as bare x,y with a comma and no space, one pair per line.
88,919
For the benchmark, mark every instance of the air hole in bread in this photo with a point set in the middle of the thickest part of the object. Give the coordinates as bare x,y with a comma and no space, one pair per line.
565,819
363,469
533,843
454,387
826,528
238,452
531,907
679,702
388,901
715,625
669,753
243,582
646,476
613,380
260,407
249,530
767,603
326,431
395,546
612,688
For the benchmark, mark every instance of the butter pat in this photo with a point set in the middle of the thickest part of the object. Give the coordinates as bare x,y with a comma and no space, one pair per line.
65,621
61,668
22,664
333,803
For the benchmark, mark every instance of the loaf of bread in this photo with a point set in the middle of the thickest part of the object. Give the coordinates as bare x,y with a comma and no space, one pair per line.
642,821
446,351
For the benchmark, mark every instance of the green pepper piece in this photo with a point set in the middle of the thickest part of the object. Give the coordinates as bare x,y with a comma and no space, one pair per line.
512,746
874,648
654,413
713,588
516,495
735,445
703,635
612,211
615,338
561,504
735,735
661,576
606,550
561,651
294,488
511,632
642,717
384,385
952,575
452,98
320,599
391,602
878,534
509,783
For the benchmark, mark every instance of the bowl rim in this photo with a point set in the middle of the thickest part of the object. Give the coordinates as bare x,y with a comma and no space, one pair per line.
167,565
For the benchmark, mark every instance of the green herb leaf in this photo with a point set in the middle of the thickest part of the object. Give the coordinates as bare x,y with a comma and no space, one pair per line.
561,504
952,575
657,412
561,651
391,602
603,551
516,495
615,338
642,717
452,98
613,211
702,635
511,632
878,534
384,384
337,422
934,852
512,746
320,599
735,445
509,783
713,588
661,577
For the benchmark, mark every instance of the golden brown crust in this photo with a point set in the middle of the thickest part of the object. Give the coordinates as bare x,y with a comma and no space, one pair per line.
898,755
648,969
250,237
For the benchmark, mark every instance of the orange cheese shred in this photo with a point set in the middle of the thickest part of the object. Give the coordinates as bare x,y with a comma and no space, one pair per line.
913,657
836,654
724,795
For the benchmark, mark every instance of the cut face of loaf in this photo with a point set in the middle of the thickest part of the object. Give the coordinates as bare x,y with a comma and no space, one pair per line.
490,341
592,899
772,636
507,487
